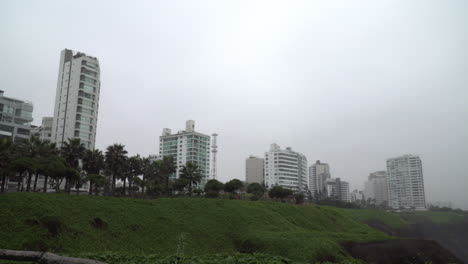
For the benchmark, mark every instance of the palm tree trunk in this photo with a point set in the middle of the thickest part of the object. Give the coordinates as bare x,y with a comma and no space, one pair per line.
78,189
90,188
19,182
124,185
45,183
3,182
35,181
66,185
28,186
113,183
190,188
130,189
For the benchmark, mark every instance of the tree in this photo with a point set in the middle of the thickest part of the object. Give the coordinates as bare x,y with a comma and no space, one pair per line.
167,168
146,170
135,165
299,198
256,189
56,171
233,186
46,151
72,151
191,172
213,187
180,184
93,163
115,158
96,181
21,166
278,192
6,157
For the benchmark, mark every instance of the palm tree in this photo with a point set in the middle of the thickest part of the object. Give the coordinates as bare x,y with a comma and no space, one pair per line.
6,156
146,171
168,167
115,158
46,150
135,164
30,149
72,151
192,173
93,163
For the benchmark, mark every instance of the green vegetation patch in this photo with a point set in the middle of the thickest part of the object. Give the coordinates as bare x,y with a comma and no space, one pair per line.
189,227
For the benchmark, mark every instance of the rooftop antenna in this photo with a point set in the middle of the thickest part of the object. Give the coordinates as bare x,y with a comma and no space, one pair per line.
214,150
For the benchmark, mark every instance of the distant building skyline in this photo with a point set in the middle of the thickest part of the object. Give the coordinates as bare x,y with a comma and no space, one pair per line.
76,99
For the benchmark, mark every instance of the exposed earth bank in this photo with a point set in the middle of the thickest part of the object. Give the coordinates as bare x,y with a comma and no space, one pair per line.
402,251
453,237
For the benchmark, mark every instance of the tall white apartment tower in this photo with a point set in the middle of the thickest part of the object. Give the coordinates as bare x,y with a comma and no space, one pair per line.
286,168
405,182
184,146
76,99
318,175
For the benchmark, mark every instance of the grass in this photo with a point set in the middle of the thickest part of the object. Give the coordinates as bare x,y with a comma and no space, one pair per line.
189,227
437,217
166,226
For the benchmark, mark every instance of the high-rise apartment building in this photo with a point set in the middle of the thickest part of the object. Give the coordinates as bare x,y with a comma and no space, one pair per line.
376,187
318,175
405,182
184,146
15,118
254,170
286,168
76,99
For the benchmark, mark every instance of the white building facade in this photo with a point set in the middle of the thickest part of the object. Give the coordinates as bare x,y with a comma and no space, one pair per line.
76,99
184,146
405,182
286,168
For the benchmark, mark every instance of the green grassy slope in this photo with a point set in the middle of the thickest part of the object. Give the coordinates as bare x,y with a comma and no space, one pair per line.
195,226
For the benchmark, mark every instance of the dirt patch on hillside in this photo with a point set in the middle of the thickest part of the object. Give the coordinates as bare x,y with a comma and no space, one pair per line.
402,251
453,237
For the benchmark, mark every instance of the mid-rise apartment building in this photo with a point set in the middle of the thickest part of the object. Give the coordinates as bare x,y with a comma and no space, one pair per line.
254,170
184,146
286,168
357,196
337,189
76,99
405,182
44,132
318,175
15,118
376,187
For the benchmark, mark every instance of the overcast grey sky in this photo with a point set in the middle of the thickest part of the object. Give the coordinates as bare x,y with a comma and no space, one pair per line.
351,83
